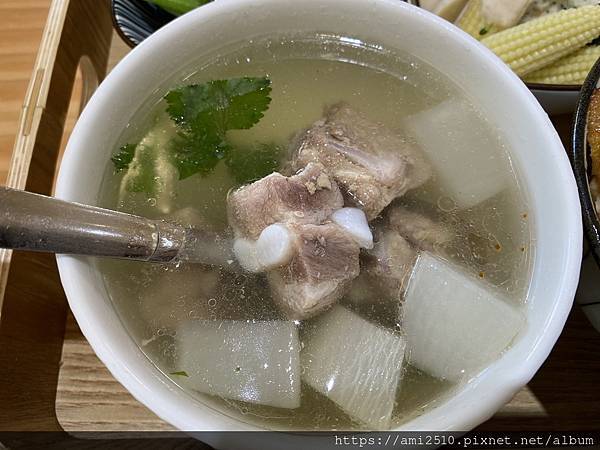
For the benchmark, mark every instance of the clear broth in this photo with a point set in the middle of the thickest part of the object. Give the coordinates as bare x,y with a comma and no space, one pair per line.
307,74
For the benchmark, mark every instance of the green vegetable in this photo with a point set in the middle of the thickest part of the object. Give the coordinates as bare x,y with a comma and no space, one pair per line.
180,374
201,116
178,7
206,112
251,164
150,170
197,153
143,171
220,105
123,157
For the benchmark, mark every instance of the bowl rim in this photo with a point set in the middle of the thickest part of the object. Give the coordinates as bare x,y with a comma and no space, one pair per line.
579,156
505,383
533,86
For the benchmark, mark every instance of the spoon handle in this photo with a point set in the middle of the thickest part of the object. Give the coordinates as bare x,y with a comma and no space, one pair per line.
38,223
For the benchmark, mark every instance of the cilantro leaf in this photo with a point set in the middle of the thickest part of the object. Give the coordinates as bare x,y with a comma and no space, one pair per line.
248,100
220,105
123,157
182,373
197,153
253,163
202,115
205,112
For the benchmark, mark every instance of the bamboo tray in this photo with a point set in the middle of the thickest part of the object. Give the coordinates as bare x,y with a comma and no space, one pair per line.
50,379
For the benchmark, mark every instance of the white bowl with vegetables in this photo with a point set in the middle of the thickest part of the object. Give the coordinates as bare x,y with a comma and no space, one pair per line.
408,239
550,44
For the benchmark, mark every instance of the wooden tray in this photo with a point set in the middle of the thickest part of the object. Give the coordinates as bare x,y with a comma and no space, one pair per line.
50,378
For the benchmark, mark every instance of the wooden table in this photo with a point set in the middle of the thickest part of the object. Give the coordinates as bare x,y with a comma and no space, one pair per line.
21,26
51,383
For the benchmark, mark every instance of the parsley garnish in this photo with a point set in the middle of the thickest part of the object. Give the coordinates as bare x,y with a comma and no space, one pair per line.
220,105
483,31
203,114
123,157
251,164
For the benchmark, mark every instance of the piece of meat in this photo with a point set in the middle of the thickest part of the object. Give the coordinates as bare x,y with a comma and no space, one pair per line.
276,244
284,226
421,231
371,164
326,259
307,197
389,264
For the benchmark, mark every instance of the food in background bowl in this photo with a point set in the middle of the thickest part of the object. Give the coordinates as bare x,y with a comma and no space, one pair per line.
544,42
593,139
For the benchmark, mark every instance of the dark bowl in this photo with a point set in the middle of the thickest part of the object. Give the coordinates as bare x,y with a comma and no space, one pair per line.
581,158
135,20
588,292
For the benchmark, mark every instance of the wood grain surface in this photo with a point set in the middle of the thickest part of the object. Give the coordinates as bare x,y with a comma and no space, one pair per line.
565,394
21,25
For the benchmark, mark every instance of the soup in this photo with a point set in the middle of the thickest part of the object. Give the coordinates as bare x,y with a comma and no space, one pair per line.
381,236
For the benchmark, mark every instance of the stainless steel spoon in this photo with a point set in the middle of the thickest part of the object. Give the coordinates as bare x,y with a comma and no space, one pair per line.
45,224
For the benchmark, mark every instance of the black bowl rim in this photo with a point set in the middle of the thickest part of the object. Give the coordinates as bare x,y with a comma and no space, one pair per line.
117,26
579,158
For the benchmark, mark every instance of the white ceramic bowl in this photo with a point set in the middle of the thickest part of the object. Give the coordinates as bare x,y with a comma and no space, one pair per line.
536,151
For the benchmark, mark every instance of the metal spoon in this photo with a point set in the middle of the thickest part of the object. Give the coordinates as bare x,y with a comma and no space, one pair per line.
45,224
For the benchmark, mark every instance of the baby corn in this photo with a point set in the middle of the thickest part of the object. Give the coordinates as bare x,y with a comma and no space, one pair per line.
571,69
540,42
471,20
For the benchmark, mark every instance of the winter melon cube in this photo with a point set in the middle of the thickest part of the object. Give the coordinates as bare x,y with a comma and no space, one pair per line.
455,324
465,159
356,364
251,361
